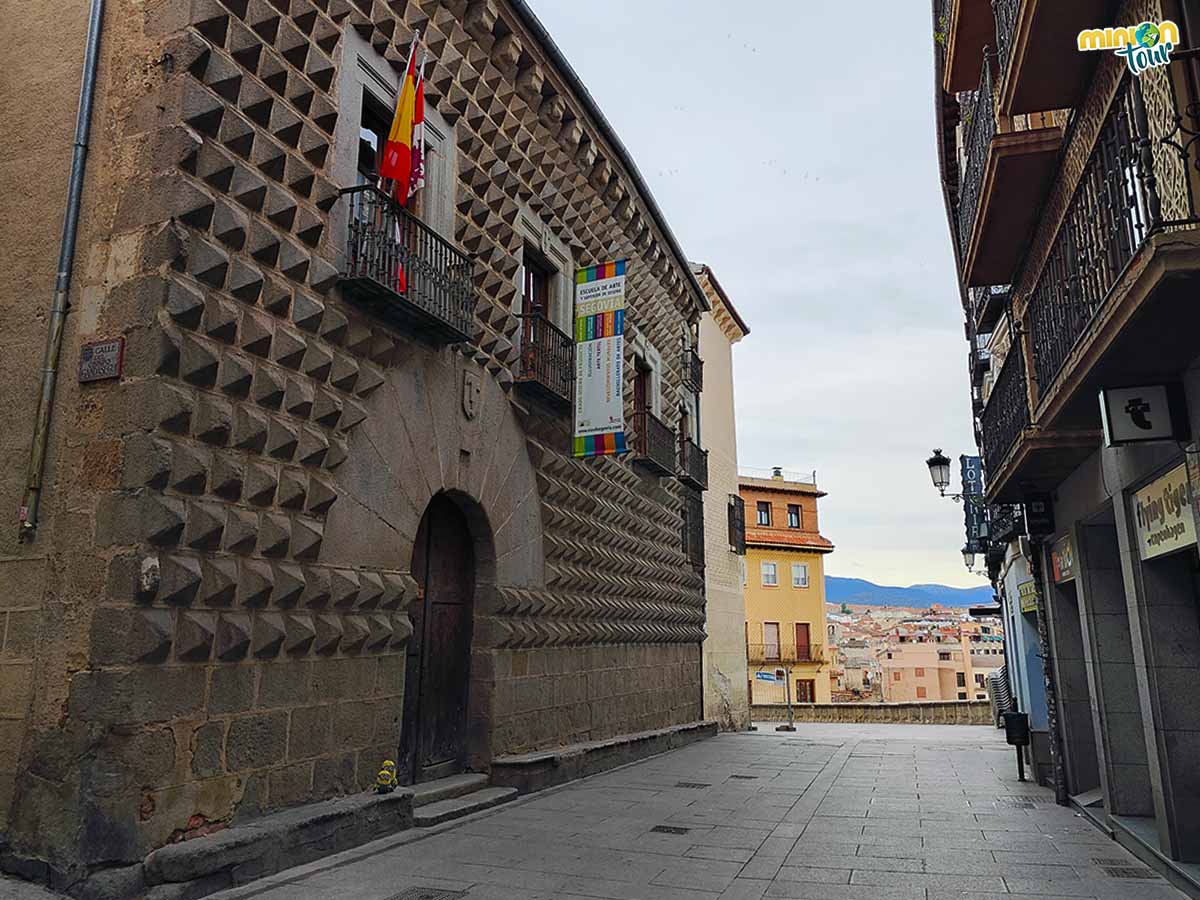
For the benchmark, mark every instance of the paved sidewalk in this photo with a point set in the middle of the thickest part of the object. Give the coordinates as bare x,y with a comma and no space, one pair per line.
877,812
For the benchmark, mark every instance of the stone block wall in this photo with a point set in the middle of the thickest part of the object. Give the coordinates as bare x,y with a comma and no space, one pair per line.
966,712
221,575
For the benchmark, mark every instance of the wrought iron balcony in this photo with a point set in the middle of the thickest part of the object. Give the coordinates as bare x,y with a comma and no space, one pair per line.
693,369
986,305
1115,208
693,464
693,529
401,270
981,128
1006,12
547,365
979,361
765,654
969,27
653,443
1007,411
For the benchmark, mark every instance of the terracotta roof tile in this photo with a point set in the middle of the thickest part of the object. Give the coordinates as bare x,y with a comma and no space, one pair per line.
778,538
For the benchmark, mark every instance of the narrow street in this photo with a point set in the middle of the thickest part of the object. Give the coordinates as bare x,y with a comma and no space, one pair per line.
873,812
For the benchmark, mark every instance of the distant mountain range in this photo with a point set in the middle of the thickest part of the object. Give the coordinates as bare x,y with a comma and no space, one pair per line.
857,590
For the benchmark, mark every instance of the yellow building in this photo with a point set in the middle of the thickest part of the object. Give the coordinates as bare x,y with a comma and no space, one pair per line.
785,588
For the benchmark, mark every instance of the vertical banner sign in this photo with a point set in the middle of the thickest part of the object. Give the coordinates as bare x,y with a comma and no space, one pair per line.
599,359
972,483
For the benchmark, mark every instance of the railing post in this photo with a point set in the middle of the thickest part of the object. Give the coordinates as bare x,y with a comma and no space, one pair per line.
1145,154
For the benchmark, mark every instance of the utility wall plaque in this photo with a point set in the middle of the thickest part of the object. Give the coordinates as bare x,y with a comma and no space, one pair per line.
102,359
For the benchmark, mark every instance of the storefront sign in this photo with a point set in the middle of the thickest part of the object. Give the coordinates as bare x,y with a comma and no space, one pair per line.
1039,515
599,356
1155,412
1162,514
1062,559
1027,593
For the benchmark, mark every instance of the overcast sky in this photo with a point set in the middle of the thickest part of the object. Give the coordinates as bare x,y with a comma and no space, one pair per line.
800,164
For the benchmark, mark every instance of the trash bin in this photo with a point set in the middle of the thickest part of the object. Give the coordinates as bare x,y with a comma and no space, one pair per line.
1016,728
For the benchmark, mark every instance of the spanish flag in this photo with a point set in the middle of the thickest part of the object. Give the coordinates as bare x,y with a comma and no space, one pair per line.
398,150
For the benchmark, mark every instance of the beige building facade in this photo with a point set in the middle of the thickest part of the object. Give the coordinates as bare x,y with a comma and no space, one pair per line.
320,515
725,697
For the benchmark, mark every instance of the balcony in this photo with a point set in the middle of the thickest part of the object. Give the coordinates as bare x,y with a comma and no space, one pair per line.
1006,176
653,443
547,364
979,360
970,26
784,654
400,270
1006,413
692,367
693,464
1039,66
985,306
1113,299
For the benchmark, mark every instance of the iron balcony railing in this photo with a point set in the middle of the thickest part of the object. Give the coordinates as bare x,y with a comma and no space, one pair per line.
1006,26
404,271
547,362
764,654
693,370
985,305
693,529
693,464
653,443
1007,411
979,359
1117,204
980,130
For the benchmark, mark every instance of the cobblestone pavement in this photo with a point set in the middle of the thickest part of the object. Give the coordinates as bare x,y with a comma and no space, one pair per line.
877,812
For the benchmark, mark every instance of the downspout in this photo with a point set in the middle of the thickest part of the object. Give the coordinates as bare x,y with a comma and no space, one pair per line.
62,285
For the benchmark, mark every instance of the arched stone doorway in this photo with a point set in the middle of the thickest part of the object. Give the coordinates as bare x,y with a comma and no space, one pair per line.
451,558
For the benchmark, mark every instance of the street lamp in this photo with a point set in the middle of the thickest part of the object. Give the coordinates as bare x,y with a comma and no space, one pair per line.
969,558
939,470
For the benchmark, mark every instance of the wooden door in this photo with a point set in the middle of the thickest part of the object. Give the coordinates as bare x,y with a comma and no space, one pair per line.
438,665
806,690
802,641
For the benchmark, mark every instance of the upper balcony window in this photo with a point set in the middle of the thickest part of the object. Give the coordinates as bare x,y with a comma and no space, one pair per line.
764,512
547,349
793,516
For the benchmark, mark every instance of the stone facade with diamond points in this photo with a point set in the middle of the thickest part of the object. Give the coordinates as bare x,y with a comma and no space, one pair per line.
212,620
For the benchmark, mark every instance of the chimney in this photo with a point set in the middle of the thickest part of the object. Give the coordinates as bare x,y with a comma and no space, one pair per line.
777,472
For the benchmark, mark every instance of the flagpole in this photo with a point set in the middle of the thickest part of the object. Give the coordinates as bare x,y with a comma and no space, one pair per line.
412,49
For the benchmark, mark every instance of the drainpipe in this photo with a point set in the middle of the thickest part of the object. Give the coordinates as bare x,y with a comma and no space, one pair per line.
62,284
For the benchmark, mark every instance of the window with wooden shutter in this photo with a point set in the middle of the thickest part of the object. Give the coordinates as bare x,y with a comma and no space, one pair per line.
737,524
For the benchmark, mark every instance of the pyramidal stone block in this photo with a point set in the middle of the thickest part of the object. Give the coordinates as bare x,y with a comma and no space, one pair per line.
220,581
307,535
162,519
245,281
398,589
250,429
291,584
268,387
356,633
292,489
195,636
318,591
300,634
344,587
268,635
198,362
370,590
256,583
312,448
402,630
317,362
379,632
289,347
326,409
214,420
274,535
257,334
233,636
262,480
221,319
235,376
146,462
189,468
282,439
179,579
241,531
329,631
205,525
226,477
298,397
184,305
150,634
